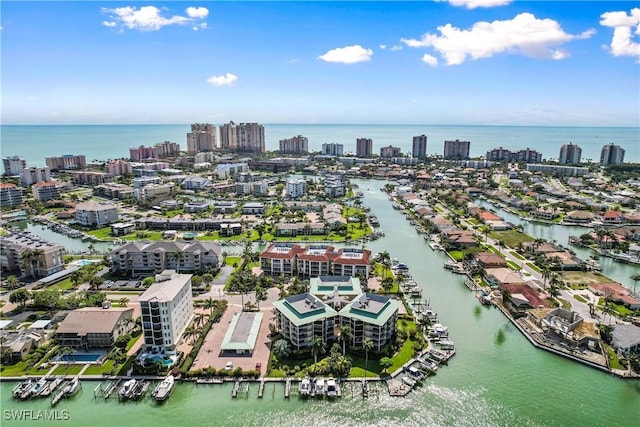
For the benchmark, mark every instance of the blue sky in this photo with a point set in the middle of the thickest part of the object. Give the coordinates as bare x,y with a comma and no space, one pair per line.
448,62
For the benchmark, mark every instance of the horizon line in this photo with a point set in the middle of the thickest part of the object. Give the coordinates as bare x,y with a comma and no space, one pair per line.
326,124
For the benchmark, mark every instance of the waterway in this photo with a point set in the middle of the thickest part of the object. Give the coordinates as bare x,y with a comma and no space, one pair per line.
496,378
620,272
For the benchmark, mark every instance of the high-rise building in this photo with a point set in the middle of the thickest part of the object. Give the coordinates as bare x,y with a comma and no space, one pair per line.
10,195
611,155
570,154
242,137
142,153
47,258
66,162
119,167
32,175
524,155
14,165
419,147
364,147
201,138
456,150
389,151
168,149
294,145
332,149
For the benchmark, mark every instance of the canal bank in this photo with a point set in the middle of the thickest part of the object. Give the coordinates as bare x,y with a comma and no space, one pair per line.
496,378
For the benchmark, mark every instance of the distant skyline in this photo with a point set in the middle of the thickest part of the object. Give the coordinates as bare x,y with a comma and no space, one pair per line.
458,62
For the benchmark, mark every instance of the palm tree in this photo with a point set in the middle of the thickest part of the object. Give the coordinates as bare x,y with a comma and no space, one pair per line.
546,274
178,256
635,279
31,258
608,309
12,282
345,336
198,319
367,344
124,301
317,346
190,333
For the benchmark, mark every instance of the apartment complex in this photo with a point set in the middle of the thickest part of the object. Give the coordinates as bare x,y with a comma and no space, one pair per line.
525,155
167,149
119,167
570,154
10,195
364,147
611,155
166,309
31,255
201,138
558,170
419,149
242,137
90,178
93,327
456,150
96,214
30,176
44,191
295,145
142,153
314,260
389,152
14,165
332,149
371,316
147,258
295,188
66,162
301,317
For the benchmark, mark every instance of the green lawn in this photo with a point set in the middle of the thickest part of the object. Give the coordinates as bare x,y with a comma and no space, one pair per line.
65,369
579,298
102,233
517,255
456,255
20,369
534,267
584,278
106,368
63,285
613,357
512,265
511,238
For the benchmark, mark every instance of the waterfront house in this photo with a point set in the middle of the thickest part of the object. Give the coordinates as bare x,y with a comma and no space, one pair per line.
459,239
625,339
122,229
371,316
93,327
166,310
615,292
301,317
502,276
490,260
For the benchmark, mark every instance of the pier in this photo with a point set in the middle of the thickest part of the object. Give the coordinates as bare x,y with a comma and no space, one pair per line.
261,388
287,388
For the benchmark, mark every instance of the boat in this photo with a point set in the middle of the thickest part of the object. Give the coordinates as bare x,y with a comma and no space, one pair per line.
163,390
304,389
414,373
22,387
485,298
127,388
320,390
72,388
332,388
408,381
431,315
428,364
446,345
438,330
37,388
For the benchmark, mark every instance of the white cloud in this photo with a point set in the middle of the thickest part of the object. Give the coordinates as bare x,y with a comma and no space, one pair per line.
622,42
432,61
150,18
383,46
525,34
472,4
293,60
396,47
225,80
347,55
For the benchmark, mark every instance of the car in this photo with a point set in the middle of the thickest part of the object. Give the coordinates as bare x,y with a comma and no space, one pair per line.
229,366
258,366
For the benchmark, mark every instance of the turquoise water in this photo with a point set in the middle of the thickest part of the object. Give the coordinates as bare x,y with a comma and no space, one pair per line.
102,142
80,357
84,262
496,378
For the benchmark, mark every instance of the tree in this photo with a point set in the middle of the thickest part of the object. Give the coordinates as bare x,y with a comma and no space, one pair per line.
32,258
317,346
21,296
196,281
387,284
546,274
608,309
281,349
77,277
147,281
189,333
368,345
198,319
635,279
124,301
261,295
345,336
385,363
95,282
12,282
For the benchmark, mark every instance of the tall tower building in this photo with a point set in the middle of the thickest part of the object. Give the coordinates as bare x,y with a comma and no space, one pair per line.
332,149
364,147
251,137
456,150
201,138
611,155
229,136
14,165
419,147
295,145
570,154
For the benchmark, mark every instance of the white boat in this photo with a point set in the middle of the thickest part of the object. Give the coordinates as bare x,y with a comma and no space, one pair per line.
304,389
414,373
127,388
320,390
429,365
72,388
408,381
37,387
163,390
431,315
438,331
446,345
21,387
332,388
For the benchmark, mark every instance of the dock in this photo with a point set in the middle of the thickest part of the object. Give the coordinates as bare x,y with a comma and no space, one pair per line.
365,389
287,388
209,381
236,388
51,386
397,388
110,388
59,394
261,388
472,285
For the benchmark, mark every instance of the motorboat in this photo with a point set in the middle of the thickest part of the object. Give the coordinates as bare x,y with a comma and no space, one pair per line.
163,390
37,388
21,387
332,388
438,330
427,364
408,381
304,389
414,373
320,388
127,388
72,388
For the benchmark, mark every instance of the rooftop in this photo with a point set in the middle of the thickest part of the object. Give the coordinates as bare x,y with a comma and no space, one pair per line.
327,285
242,332
167,289
371,308
92,320
304,308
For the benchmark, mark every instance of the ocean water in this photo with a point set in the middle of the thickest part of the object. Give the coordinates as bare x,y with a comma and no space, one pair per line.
103,142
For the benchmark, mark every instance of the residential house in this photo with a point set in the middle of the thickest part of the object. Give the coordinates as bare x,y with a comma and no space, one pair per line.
93,327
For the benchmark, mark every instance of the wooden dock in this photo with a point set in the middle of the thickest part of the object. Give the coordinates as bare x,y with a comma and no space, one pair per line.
287,388
261,388
209,381
397,388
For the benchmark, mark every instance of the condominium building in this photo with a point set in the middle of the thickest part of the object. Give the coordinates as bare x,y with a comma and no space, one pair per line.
371,316
14,165
146,180
95,214
558,170
301,317
168,149
152,258
44,191
90,178
229,170
10,195
364,147
251,137
502,154
201,138
166,308
93,327
30,176
119,167
419,150
31,255
295,145
611,155
456,150
142,153
389,152
333,149
113,190
66,162
296,188
351,262
280,258
229,136
570,154
153,191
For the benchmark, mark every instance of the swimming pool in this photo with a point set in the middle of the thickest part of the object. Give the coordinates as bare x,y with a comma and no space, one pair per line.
84,262
158,357
80,358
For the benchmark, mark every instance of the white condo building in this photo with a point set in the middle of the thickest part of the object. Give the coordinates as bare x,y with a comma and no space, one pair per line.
296,188
32,175
96,214
166,309
14,165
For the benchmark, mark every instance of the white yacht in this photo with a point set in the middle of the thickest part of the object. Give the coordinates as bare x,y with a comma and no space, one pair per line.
304,388
320,390
163,390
